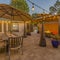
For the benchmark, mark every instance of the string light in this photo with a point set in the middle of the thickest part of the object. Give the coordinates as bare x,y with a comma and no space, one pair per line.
33,7
37,6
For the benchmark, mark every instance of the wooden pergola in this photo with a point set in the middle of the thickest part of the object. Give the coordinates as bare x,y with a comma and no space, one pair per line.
46,18
42,18
12,14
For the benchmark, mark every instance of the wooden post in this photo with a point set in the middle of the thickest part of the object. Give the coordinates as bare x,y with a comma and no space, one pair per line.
2,27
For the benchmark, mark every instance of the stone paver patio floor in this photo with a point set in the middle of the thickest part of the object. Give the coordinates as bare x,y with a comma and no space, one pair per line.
32,50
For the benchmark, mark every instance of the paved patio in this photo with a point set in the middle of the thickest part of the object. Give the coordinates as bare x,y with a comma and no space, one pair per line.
32,50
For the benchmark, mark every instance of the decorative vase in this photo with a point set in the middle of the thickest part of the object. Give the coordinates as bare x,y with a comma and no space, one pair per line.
55,43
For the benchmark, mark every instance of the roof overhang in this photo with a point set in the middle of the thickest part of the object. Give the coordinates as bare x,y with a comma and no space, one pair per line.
13,14
46,18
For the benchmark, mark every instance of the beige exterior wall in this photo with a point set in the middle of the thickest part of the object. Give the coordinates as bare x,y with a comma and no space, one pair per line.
7,26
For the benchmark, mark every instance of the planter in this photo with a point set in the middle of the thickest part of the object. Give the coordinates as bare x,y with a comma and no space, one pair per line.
55,43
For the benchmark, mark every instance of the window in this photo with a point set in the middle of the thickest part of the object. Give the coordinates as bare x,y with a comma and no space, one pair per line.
15,27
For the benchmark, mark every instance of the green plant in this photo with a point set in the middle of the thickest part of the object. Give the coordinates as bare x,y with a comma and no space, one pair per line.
56,37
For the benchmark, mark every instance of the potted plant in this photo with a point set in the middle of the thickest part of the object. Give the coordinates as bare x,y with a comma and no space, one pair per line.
54,41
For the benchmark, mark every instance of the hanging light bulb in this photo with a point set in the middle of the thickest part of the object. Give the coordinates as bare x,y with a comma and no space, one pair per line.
33,7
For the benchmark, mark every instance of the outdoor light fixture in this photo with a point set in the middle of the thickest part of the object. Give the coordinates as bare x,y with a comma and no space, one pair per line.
55,13
33,8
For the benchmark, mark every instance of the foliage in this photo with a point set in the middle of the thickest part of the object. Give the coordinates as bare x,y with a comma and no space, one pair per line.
57,37
34,15
55,8
20,4
52,9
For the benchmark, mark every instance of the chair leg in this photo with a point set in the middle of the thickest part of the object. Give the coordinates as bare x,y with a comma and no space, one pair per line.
22,50
8,56
22,45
